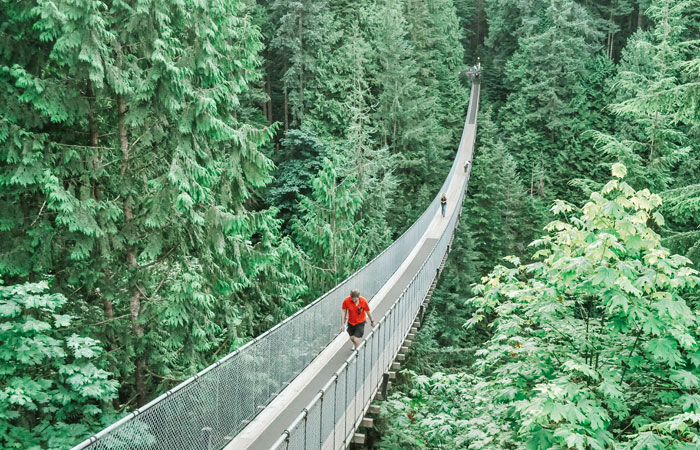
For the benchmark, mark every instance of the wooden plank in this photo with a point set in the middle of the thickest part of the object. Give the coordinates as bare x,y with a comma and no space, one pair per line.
392,375
404,350
400,357
407,342
395,366
367,422
374,409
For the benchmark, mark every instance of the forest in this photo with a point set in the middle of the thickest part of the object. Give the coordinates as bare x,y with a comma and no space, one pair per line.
176,177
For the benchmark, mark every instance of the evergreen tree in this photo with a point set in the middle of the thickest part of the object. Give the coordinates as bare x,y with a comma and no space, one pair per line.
371,165
302,38
658,118
500,216
298,161
129,172
328,230
505,24
405,115
545,75
433,31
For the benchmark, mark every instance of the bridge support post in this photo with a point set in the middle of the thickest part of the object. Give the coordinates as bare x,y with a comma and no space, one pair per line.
385,384
206,438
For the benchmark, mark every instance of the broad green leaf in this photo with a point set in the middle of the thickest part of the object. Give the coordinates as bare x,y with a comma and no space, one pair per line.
619,170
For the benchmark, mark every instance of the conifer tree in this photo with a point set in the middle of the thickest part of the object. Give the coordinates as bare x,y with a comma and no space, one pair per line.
123,151
298,161
405,115
328,230
648,74
657,112
433,31
545,75
303,37
500,216
370,164
505,26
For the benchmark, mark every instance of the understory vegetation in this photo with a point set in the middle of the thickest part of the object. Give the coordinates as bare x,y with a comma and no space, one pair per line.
176,177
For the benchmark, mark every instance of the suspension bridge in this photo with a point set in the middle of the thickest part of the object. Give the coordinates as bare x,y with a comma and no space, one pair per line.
299,385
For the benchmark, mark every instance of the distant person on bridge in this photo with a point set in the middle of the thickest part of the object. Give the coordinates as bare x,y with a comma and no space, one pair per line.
477,67
354,309
443,203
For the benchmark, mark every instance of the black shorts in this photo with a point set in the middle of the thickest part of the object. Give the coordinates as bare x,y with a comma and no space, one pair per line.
356,330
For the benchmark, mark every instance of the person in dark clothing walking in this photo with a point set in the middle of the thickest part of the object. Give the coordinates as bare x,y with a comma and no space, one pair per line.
354,309
443,203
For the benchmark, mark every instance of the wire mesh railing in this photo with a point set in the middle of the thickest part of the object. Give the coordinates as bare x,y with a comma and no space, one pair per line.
209,409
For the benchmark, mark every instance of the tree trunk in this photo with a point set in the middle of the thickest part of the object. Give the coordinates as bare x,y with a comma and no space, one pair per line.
611,35
479,16
640,16
268,89
286,100
301,70
134,295
264,105
94,140
107,305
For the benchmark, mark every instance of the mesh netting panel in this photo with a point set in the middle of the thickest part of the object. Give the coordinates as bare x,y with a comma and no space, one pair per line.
351,394
313,427
340,405
328,412
297,436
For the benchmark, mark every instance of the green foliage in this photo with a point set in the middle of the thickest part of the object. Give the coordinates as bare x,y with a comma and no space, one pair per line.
593,345
498,219
303,36
298,162
128,172
328,230
500,216
657,107
53,389
431,416
408,81
546,74
595,337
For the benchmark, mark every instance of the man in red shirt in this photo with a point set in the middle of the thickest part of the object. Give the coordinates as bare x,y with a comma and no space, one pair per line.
354,309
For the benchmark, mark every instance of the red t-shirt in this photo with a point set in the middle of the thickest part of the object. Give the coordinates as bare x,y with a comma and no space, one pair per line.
355,317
